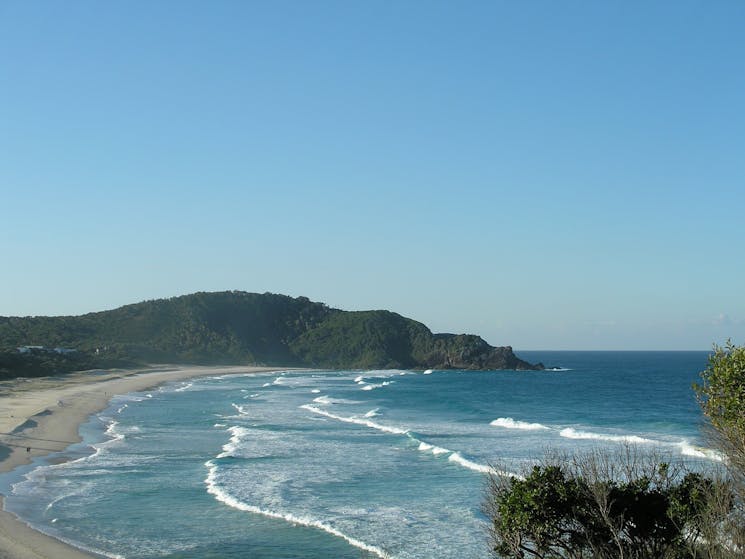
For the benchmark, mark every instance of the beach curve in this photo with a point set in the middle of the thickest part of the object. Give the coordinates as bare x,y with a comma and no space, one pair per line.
42,416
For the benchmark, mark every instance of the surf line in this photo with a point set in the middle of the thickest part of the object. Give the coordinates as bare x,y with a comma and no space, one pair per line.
686,448
453,456
214,488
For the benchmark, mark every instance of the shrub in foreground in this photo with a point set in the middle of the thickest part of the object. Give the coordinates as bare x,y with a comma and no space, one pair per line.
605,505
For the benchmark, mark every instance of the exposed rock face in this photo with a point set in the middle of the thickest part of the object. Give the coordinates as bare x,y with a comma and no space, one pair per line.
466,351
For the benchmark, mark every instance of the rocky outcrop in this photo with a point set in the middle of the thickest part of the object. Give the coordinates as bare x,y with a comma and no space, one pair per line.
466,351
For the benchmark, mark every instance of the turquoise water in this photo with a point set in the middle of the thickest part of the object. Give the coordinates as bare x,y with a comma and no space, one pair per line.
343,464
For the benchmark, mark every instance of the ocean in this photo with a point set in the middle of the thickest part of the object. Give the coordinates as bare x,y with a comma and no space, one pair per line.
343,464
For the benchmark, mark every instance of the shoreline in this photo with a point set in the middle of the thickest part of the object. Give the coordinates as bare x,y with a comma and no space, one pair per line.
41,416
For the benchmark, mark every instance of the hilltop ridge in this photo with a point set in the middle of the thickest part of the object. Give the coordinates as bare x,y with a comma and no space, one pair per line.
236,327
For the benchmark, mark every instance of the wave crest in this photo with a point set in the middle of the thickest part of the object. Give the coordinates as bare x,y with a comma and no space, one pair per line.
571,433
509,423
214,488
356,420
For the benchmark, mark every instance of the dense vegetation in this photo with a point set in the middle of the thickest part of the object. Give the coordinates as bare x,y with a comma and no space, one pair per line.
721,394
238,328
630,505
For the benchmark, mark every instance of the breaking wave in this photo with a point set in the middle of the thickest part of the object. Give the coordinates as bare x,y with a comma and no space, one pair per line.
379,385
687,449
355,420
214,488
457,458
434,449
243,410
509,423
454,457
237,434
571,433
325,400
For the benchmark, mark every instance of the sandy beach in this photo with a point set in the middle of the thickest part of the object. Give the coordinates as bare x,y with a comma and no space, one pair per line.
40,416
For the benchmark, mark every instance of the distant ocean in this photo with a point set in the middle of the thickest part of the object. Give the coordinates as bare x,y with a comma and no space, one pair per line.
343,464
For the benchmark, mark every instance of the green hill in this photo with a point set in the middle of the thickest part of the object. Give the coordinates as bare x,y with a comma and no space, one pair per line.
237,328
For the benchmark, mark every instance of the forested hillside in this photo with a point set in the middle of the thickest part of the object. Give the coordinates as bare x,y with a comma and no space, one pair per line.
237,328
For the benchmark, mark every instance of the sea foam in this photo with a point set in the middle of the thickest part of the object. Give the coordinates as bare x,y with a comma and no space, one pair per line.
687,449
457,458
325,400
237,433
241,409
185,386
355,420
379,385
571,433
509,423
434,449
215,489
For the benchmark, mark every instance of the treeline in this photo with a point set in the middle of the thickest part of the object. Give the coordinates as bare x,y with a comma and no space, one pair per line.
241,328
42,363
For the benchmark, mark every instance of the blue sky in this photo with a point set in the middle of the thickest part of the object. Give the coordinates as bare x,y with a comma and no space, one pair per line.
550,175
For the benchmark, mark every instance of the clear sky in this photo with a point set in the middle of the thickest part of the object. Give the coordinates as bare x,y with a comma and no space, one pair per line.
550,175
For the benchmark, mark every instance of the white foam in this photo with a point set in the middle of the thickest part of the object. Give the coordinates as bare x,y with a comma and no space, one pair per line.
428,372
120,410
325,400
240,409
266,384
218,425
380,385
80,546
355,420
214,488
360,380
112,432
185,386
436,450
687,449
372,413
315,391
133,397
237,433
509,423
571,433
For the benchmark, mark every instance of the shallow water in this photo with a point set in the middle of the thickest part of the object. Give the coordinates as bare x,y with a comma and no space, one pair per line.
344,464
